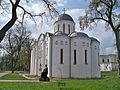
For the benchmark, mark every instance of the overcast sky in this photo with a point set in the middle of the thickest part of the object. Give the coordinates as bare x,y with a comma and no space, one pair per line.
74,8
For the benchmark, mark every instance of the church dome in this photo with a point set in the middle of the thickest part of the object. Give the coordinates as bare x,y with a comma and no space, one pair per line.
65,17
60,33
79,34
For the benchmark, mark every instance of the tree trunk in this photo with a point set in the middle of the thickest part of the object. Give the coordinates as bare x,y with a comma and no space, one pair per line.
7,26
117,35
12,66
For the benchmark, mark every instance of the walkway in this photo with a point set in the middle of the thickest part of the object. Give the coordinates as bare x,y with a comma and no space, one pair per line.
2,74
24,81
20,81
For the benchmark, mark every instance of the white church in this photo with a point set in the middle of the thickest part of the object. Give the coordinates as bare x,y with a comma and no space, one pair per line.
67,53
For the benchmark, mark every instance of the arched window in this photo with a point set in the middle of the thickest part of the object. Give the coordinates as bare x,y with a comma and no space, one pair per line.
75,61
103,60
86,57
61,42
68,28
56,42
63,27
98,60
61,56
58,27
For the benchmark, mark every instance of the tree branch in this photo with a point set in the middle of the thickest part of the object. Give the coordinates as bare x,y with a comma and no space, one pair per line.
31,15
11,2
103,1
100,18
11,22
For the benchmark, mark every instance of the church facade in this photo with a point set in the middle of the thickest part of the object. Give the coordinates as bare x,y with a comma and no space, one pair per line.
67,53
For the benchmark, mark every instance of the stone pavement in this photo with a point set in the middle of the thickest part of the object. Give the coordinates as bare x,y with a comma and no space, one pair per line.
2,74
25,81
20,81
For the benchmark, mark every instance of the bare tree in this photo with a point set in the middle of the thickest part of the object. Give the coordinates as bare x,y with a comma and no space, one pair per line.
15,41
107,11
15,4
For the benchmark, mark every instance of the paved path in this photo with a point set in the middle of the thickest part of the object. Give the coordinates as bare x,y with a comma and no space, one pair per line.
19,81
2,74
30,81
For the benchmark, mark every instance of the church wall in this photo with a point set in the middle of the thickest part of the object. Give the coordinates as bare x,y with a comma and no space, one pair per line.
49,57
45,53
36,60
60,70
42,55
33,57
80,69
95,59
32,62
39,57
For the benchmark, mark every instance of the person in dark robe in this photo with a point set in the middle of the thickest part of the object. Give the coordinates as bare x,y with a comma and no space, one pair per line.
44,73
46,70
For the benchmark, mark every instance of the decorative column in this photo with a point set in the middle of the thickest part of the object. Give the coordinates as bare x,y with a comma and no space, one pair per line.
49,57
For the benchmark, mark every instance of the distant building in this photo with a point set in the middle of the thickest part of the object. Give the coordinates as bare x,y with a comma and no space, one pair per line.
108,62
67,53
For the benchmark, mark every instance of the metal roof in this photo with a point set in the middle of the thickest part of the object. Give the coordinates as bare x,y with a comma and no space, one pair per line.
65,17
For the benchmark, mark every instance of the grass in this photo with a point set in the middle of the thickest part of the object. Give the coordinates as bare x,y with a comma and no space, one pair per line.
12,76
109,82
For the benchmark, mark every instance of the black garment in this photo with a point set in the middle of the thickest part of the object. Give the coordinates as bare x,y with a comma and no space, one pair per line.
46,70
44,75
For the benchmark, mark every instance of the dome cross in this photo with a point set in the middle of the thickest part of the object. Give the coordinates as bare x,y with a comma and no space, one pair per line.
64,10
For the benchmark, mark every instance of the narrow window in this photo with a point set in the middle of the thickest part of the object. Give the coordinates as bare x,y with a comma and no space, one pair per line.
68,28
95,47
61,56
103,60
58,27
63,27
98,60
85,56
61,42
75,57
107,60
56,42
83,43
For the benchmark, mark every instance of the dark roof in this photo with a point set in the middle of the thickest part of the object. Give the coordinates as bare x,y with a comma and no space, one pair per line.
94,39
79,34
49,34
65,17
59,33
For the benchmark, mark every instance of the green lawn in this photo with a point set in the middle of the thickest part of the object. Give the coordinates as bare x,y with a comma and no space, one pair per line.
12,76
109,82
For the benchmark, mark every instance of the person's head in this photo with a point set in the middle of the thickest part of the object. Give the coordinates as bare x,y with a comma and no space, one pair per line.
46,65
